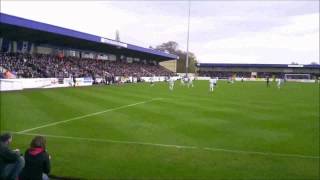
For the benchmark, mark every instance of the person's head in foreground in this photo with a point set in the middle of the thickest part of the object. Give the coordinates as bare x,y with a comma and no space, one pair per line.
38,142
6,138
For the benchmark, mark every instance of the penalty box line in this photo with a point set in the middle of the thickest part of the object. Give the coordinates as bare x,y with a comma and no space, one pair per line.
270,154
88,115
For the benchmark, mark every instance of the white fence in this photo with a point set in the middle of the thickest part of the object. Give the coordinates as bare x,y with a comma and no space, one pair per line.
158,78
262,79
30,83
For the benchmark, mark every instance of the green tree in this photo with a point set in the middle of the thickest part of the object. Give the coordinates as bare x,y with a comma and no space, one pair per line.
173,48
170,46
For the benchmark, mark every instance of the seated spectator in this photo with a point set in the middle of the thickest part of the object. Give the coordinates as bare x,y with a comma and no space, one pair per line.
37,161
46,66
11,163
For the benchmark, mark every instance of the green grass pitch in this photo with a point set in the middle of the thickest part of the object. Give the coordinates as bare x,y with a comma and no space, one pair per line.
240,131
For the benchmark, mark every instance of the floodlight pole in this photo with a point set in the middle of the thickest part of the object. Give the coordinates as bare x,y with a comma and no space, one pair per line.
187,58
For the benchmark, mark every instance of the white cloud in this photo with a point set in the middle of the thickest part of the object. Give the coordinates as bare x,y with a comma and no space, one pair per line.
300,25
296,41
83,16
219,32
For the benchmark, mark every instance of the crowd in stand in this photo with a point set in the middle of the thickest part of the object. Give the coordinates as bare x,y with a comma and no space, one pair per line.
45,66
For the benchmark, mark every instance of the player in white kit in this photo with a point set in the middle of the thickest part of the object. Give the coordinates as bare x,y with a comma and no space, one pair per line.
212,84
279,83
171,83
152,79
190,81
182,81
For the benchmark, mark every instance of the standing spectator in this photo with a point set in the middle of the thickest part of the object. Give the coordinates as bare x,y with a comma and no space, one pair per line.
74,80
37,161
11,163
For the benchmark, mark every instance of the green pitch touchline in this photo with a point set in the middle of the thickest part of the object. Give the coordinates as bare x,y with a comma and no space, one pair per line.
283,155
88,115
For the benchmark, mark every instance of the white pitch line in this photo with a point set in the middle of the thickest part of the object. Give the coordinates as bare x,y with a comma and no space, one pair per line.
88,115
176,146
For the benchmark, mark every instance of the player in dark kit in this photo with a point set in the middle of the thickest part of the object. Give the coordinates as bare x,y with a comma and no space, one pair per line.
74,80
268,81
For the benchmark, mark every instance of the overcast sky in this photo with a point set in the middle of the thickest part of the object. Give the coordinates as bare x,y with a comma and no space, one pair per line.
220,31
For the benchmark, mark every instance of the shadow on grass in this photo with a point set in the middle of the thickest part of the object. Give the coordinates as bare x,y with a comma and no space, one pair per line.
54,177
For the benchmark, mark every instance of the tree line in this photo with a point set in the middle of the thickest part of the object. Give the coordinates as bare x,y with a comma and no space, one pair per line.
172,47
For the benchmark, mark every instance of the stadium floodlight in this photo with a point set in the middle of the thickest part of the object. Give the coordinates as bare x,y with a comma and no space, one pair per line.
187,58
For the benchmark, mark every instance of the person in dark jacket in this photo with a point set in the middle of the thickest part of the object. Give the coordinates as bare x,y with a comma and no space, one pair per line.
11,163
37,161
74,80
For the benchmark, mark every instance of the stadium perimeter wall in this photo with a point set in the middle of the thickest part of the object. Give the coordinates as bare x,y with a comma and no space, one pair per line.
261,79
33,83
42,83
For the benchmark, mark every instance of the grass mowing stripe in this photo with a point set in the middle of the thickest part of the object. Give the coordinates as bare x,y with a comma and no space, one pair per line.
88,115
241,116
175,146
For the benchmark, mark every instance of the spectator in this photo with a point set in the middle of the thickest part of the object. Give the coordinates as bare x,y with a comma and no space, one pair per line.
37,161
43,66
11,163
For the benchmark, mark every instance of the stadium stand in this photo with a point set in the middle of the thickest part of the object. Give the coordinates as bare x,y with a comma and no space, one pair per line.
47,66
30,49
224,71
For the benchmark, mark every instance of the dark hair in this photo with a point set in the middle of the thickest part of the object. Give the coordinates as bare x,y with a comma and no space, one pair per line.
38,141
5,137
